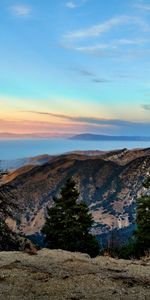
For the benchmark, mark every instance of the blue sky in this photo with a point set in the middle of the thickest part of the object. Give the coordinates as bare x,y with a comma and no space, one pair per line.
75,66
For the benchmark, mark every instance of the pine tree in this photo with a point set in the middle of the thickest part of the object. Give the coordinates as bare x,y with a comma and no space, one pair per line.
68,223
139,243
143,222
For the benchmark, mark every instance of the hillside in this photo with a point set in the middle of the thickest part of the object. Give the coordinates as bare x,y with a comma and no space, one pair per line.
9,239
109,184
61,275
18,163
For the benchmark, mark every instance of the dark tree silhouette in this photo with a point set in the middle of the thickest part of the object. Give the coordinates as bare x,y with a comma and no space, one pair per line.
68,223
143,222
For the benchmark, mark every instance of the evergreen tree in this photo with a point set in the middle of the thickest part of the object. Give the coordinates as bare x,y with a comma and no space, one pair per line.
68,223
139,244
143,222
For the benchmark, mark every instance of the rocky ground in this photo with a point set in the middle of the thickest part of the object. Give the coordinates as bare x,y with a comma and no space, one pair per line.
61,275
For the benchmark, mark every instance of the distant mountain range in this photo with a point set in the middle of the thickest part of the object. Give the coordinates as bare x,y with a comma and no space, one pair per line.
109,183
99,137
81,137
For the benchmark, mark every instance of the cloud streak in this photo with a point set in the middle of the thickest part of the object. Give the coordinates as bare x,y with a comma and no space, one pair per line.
83,72
21,10
142,6
111,50
101,80
87,41
146,107
75,4
70,5
90,75
90,120
66,124
28,126
98,30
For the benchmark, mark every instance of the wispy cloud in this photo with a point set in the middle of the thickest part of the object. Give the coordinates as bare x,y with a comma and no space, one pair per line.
71,4
21,10
142,6
96,50
75,4
73,124
118,48
28,127
146,106
91,120
91,40
90,75
83,72
97,30
131,41
101,80
94,30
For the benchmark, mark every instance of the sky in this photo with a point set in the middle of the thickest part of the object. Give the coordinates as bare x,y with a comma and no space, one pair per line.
69,67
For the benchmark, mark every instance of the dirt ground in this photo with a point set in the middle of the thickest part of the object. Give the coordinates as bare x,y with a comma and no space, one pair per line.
61,275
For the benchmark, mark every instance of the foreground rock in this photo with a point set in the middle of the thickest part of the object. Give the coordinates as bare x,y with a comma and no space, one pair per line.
59,275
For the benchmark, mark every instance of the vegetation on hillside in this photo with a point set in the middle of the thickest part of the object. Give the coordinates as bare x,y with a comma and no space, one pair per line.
142,233
68,223
139,244
10,240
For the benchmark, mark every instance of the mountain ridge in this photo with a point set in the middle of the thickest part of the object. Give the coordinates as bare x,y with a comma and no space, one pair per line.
100,137
109,186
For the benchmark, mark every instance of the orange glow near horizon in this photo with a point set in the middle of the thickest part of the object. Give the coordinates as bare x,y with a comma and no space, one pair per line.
21,116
